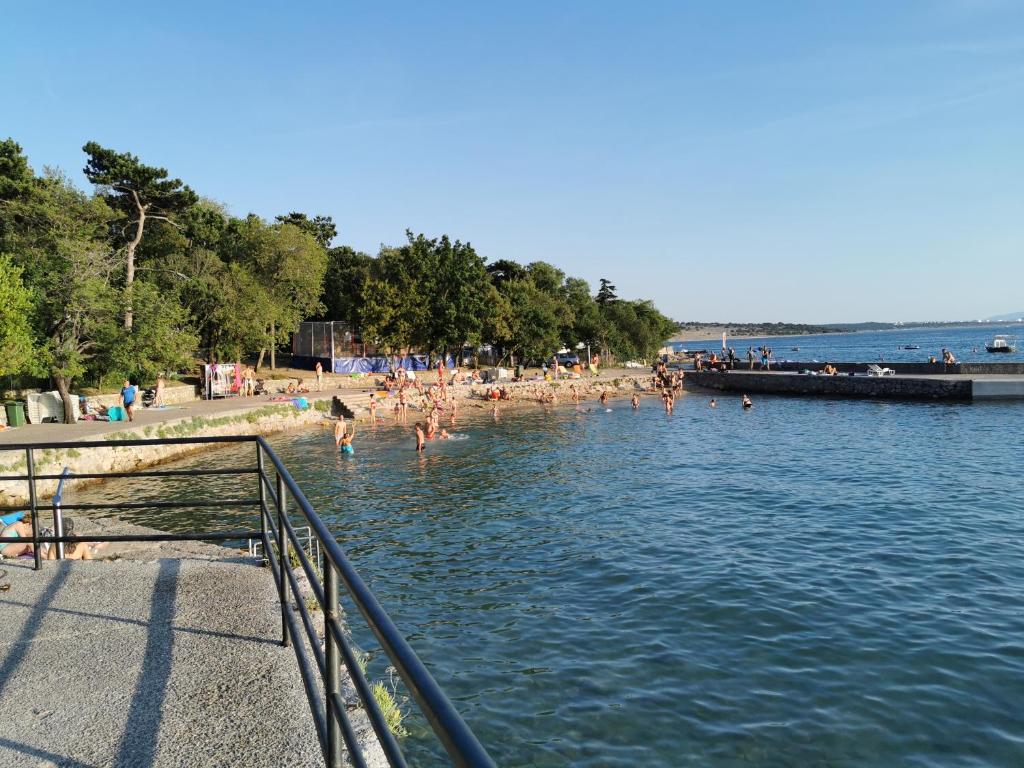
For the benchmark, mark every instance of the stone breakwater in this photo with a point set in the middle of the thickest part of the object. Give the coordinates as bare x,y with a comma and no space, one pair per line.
886,387
259,420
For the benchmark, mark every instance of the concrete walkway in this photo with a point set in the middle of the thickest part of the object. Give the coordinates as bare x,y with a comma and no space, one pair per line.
126,664
93,430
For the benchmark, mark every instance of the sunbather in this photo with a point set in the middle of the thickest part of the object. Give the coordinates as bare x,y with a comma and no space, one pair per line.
16,539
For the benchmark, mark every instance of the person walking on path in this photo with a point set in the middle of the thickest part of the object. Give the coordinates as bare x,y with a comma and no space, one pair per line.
158,396
128,399
319,376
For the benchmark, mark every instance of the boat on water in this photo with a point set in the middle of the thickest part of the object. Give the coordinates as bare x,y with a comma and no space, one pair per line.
1001,344
911,346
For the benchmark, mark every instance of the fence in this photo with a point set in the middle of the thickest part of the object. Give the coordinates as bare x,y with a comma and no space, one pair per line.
276,489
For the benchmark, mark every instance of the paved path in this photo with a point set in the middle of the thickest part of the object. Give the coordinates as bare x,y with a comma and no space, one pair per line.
166,663
86,430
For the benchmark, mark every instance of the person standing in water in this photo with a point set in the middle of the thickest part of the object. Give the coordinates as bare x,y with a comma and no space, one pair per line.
346,441
339,430
635,401
420,441
604,397
373,408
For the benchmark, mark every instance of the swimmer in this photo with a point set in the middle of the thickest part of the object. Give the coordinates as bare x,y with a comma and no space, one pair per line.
346,441
444,435
635,401
747,403
339,431
604,397
419,437
713,404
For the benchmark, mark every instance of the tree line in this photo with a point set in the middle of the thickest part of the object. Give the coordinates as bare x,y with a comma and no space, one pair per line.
141,275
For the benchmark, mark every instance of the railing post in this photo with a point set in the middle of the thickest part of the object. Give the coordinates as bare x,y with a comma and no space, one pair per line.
282,553
262,497
33,505
332,685
58,528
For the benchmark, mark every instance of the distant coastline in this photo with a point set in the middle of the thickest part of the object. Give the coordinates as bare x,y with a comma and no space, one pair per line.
710,332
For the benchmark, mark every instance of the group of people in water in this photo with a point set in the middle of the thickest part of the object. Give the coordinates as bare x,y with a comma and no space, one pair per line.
439,400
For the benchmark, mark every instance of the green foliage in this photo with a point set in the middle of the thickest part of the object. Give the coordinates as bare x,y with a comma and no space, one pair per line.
385,696
16,337
84,297
345,285
281,269
131,187
322,228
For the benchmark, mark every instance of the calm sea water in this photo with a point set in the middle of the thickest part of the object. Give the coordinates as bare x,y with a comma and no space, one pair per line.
810,583
966,343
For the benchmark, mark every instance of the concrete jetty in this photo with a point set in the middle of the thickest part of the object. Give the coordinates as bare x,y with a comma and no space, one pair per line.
851,382
170,662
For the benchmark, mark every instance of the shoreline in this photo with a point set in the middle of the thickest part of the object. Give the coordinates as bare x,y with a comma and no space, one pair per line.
243,416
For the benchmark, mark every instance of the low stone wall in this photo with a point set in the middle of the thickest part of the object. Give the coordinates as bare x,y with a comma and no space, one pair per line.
250,421
172,395
885,387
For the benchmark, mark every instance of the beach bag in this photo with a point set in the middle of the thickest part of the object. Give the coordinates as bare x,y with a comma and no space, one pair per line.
117,413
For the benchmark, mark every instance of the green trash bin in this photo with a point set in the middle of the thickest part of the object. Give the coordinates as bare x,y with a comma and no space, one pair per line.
15,413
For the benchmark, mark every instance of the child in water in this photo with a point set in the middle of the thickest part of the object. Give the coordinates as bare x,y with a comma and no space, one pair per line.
635,401
420,441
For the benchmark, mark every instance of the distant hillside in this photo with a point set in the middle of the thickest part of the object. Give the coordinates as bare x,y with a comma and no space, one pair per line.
1013,317
693,328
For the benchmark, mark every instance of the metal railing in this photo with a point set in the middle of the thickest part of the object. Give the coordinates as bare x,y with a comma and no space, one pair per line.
280,542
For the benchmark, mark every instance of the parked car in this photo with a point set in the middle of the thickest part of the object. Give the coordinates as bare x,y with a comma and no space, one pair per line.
633,364
568,359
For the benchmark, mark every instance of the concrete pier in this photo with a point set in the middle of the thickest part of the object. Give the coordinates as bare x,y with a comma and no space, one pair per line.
173,662
950,387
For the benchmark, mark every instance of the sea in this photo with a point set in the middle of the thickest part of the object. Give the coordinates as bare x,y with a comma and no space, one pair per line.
967,343
812,582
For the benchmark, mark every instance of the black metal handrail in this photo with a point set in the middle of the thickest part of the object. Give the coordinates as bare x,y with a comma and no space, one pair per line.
280,540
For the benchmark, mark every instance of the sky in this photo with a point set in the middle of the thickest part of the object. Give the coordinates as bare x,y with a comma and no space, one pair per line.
733,161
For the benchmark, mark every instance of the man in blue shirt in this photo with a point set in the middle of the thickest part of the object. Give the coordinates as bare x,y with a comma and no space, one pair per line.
128,399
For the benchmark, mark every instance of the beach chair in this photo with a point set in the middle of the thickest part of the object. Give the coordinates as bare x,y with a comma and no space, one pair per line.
874,370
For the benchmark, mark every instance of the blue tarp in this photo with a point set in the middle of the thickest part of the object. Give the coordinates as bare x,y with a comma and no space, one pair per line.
383,364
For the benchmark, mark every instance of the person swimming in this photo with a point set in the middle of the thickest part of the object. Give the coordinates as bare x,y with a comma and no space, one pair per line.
713,403
747,403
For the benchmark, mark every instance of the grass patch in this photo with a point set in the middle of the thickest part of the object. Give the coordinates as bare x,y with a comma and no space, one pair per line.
384,695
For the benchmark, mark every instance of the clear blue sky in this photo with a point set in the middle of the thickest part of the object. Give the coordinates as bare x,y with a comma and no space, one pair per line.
764,161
